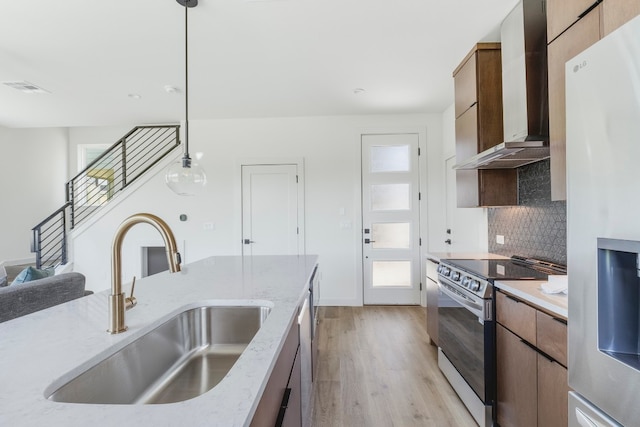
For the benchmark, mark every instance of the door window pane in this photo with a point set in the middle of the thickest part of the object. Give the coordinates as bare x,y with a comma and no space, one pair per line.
395,235
390,197
396,274
390,158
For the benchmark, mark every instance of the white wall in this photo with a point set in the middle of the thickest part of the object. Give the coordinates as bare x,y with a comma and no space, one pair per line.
469,225
330,147
33,171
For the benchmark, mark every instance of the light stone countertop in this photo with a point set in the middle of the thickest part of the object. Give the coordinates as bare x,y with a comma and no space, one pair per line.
437,256
49,345
529,290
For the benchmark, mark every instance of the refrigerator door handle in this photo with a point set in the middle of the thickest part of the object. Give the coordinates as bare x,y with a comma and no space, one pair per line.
584,420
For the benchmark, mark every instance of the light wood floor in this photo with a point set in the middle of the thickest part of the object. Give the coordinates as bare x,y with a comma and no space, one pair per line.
377,368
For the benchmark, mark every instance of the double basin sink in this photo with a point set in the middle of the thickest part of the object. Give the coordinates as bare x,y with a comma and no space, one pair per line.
179,359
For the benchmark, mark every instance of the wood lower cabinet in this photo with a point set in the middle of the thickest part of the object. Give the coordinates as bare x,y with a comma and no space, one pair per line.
517,381
283,388
432,301
553,393
532,377
577,38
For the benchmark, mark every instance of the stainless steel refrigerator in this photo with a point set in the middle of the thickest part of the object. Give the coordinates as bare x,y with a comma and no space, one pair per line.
603,230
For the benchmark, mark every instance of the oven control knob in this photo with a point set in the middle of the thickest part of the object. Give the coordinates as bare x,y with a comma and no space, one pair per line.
456,276
446,271
475,285
465,281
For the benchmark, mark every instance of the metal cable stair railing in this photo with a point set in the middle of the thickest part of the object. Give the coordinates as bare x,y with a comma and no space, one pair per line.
115,169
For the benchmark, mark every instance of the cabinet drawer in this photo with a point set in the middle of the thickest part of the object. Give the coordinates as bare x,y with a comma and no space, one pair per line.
552,337
517,316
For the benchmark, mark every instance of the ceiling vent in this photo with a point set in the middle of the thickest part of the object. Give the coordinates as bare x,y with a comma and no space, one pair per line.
25,87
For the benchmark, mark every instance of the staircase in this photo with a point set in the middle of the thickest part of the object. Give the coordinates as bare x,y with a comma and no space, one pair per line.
97,184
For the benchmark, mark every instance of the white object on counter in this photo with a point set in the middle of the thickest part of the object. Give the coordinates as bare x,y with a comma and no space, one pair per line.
556,285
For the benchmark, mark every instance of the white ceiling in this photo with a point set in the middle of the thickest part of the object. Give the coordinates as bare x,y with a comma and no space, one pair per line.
247,58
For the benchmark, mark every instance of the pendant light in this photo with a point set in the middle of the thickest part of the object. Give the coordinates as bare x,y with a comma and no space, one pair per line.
184,177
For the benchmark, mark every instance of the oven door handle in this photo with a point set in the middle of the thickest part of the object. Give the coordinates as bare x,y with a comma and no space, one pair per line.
468,303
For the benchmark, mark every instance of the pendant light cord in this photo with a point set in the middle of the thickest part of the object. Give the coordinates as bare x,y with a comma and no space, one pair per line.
186,159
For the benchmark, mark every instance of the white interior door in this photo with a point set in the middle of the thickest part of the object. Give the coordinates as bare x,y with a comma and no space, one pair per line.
391,219
270,210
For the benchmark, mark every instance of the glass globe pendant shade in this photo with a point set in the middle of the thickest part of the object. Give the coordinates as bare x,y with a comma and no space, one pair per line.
186,178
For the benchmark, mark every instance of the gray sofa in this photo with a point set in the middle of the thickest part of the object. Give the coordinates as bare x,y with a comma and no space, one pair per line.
25,298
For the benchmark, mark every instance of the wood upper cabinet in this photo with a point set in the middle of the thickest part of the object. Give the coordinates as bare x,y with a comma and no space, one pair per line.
618,12
531,365
561,14
573,26
577,38
479,126
465,86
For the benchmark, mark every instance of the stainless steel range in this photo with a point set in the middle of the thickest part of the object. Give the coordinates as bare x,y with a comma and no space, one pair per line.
466,328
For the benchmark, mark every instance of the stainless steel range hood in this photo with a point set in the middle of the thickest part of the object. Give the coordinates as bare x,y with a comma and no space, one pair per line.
524,92
508,155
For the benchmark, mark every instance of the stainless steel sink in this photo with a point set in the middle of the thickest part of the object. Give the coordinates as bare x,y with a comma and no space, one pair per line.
182,358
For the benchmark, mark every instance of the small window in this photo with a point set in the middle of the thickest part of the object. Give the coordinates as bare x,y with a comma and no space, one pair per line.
96,187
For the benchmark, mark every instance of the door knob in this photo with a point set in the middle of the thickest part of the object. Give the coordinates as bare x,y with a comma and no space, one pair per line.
448,241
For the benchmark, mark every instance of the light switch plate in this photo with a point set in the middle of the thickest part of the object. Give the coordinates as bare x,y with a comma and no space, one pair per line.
500,239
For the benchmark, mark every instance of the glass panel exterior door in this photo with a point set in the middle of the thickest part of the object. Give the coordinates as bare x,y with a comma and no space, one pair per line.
390,218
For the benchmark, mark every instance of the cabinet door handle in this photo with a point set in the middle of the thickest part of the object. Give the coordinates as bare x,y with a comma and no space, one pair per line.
448,241
537,350
512,298
369,241
557,319
283,407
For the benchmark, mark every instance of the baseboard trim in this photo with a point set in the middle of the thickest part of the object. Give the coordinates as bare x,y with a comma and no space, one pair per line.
340,302
18,261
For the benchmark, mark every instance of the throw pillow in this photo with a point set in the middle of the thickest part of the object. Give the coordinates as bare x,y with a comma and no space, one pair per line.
3,277
31,273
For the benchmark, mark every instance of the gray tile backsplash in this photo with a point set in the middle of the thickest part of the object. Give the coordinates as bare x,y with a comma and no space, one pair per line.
537,227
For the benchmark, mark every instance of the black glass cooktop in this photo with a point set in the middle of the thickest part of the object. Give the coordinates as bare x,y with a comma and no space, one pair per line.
497,269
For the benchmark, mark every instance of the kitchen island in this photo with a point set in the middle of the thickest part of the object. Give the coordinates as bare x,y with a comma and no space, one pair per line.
48,346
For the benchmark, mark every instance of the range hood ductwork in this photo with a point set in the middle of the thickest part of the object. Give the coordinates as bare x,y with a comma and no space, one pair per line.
525,93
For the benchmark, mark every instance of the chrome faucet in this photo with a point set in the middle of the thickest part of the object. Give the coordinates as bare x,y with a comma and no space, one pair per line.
118,303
